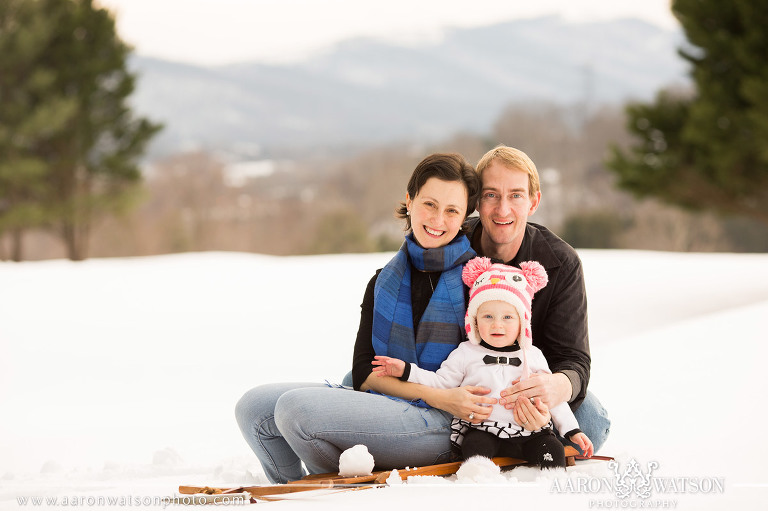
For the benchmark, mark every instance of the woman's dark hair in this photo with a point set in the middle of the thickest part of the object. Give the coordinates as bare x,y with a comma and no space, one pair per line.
446,167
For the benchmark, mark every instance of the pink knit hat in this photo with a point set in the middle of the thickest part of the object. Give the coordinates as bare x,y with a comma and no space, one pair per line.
488,281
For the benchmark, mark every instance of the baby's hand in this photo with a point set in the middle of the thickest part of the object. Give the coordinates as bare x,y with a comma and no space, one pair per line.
584,443
387,366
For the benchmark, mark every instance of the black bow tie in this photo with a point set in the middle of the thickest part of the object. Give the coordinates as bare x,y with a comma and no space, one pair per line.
511,361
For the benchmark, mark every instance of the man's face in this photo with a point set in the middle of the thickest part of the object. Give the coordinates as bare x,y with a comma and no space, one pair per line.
504,208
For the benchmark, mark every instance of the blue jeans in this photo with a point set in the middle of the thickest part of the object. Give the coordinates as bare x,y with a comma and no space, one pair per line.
287,423
593,421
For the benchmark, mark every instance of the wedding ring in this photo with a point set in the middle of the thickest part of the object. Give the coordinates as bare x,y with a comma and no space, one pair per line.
471,415
525,423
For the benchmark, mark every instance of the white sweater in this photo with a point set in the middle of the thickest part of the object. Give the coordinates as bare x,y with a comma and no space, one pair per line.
465,366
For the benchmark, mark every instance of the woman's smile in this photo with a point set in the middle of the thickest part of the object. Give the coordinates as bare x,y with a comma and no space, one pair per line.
433,232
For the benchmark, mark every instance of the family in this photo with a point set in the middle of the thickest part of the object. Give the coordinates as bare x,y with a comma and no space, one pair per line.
442,370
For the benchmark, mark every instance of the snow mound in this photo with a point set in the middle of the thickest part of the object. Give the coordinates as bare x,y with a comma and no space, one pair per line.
394,478
479,469
356,461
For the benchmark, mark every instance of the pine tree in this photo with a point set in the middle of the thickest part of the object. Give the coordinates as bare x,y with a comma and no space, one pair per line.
94,163
84,163
707,149
32,111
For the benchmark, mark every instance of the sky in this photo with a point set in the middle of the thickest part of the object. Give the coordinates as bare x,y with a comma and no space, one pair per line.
119,376
212,32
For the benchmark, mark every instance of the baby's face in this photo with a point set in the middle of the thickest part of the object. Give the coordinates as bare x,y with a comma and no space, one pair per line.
498,323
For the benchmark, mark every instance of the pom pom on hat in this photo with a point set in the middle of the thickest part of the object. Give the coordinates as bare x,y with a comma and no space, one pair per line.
535,274
474,268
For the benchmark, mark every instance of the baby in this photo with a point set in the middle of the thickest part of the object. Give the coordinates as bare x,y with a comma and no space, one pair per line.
499,351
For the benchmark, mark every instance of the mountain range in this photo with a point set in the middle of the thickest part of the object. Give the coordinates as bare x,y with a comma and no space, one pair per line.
365,91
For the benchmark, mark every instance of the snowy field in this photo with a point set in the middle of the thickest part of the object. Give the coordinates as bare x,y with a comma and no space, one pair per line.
118,378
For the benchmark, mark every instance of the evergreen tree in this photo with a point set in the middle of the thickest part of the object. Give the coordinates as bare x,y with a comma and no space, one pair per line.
85,164
32,111
94,163
707,149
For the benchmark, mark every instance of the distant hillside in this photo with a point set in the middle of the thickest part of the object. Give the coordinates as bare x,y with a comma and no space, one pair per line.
366,91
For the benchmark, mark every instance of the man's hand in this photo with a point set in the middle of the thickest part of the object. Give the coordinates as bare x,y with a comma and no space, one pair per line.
552,389
388,366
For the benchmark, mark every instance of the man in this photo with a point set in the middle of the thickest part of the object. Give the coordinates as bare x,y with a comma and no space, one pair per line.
510,194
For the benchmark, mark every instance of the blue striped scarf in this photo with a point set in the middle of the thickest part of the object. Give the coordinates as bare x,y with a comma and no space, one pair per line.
441,327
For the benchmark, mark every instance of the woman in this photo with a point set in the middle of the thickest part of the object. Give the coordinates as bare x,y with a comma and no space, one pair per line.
413,309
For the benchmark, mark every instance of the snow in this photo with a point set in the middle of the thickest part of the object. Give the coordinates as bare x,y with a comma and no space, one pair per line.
356,461
118,377
479,469
394,478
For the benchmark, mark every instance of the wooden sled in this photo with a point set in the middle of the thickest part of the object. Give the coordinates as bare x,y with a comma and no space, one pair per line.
334,481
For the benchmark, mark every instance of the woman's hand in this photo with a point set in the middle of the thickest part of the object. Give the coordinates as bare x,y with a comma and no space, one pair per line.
465,402
531,416
388,366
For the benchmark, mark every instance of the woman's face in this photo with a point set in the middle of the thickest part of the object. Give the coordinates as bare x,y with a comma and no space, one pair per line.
437,212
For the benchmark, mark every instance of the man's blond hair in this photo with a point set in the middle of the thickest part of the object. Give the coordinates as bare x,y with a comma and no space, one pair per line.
514,159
